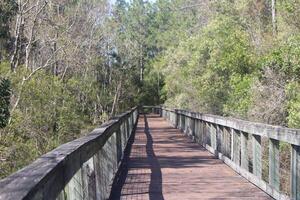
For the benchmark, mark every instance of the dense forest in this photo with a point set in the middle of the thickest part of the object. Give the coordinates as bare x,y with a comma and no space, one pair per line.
68,65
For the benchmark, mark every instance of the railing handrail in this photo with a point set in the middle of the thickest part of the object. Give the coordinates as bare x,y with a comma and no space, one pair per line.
289,135
49,174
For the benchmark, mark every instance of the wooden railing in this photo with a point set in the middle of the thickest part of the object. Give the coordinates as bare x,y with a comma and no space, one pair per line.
81,169
240,145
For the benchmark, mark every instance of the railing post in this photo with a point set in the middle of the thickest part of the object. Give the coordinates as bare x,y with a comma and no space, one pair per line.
226,141
219,138
213,136
201,132
114,151
186,123
123,135
127,122
197,130
176,118
189,125
208,133
204,128
274,178
295,172
222,139
182,124
98,175
256,149
193,126
119,145
235,146
244,151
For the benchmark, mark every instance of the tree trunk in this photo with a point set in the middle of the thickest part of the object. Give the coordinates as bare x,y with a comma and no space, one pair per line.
116,99
274,20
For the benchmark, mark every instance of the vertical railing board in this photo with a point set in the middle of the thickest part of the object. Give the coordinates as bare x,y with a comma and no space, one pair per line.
183,123
244,151
114,152
204,133
119,145
193,128
222,139
88,178
236,146
123,134
229,144
201,134
104,173
189,126
219,138
74,188
111,164
274,178
257,156
213,136
208,133
197,134
98,175
295,172
186,124
176,119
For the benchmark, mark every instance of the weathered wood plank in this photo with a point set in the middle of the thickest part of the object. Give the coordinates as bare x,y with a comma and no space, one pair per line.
295,173
274,178
244,151
213,136
219,138
236,146
256,152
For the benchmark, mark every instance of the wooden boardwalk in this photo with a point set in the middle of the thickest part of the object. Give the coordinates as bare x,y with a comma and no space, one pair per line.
165,164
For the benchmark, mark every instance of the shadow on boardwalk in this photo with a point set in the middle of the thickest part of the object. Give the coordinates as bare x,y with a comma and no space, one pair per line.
155,188
131,162
162,163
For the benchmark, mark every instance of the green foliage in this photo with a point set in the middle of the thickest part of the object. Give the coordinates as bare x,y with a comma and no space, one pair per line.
239,99
204,70
290,12
285,58
50,112
151,89
293,90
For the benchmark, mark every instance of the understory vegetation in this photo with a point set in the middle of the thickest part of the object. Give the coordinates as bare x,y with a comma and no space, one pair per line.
67,66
